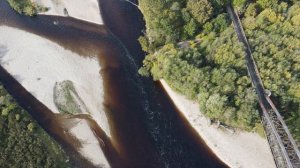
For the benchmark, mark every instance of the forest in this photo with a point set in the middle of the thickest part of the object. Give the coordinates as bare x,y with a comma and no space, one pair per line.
23,143
193,46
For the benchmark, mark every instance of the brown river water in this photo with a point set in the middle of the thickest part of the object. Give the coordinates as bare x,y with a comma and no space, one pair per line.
147,129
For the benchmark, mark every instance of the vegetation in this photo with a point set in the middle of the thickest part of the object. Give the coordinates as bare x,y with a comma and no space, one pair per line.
26,7
22,142
67,99
200,10
203,59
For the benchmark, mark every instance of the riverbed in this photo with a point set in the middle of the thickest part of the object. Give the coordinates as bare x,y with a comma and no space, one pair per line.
146,128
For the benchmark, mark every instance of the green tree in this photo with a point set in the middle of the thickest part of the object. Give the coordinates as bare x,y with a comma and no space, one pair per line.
22,142
216,106
210,67
201,10
267,3
190,28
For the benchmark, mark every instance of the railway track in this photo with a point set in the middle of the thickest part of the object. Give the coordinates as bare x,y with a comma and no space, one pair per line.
284,149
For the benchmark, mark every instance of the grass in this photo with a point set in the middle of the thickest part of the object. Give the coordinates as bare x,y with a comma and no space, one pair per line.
67,99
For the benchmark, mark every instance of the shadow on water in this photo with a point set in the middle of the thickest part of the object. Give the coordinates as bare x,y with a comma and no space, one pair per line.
177,143
48,120
81,37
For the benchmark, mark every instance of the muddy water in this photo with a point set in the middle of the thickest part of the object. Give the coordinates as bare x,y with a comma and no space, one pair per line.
177,143
147,131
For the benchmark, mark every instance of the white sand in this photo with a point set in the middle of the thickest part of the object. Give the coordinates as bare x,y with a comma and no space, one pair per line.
37,63
82,9
91,147
238,150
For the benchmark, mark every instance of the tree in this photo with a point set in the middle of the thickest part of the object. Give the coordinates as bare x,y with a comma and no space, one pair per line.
201,10
24,7
190,28
239,4
211,69
216,106
252,10
267,3
22,142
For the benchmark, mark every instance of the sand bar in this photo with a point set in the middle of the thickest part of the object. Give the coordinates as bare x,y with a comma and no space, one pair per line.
38,63
87,10
238,150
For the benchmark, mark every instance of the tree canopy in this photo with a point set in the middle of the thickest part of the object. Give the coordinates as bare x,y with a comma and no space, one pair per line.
22,142
207,63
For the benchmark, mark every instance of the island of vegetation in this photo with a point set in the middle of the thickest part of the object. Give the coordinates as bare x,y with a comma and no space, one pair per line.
23,143
67,100
192,45
26,7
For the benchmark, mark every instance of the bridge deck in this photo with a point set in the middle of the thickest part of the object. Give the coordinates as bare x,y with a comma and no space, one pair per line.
282,144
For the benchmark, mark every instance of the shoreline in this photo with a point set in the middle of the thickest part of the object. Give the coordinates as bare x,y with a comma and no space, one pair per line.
91,148
240,149
65,8
33,68
232,152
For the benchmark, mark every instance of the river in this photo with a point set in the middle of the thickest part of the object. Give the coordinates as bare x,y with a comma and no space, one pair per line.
147,129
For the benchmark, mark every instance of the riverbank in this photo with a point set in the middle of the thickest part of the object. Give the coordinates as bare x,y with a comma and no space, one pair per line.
91,148
87,10
38,63
240,149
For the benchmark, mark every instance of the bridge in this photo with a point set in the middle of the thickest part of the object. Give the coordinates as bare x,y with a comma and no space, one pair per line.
284,148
